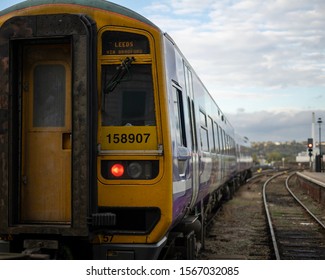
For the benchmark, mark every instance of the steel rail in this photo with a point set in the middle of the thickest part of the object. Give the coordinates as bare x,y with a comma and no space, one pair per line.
301,204
269,219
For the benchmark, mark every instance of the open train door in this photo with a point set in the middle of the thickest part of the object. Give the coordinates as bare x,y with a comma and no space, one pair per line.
48,124
45,185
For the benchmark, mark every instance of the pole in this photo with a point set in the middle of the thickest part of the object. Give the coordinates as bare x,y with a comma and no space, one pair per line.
313,123
320,158
320,137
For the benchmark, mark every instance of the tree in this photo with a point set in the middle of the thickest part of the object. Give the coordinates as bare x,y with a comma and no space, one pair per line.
273,156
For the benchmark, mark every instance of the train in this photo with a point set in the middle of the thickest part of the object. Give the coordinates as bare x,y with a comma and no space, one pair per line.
111,145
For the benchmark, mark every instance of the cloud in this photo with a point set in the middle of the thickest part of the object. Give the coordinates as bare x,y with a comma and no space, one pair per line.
186,7
275,125
251,43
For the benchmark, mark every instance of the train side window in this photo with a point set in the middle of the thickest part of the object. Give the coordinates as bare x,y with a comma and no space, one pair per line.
204,132
179,117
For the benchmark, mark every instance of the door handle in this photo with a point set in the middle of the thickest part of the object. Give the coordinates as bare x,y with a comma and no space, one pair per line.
24,180
66,141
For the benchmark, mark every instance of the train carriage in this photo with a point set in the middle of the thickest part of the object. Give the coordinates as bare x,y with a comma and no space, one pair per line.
244,158
111,146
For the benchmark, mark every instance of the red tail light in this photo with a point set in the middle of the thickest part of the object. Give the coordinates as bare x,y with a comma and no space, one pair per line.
117,170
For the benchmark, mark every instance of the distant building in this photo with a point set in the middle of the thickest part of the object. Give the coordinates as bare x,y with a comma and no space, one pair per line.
302,157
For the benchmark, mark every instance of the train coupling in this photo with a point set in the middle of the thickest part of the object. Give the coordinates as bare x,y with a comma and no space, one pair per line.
40,249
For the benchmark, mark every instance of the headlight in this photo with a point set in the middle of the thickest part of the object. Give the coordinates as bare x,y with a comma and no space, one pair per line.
134,170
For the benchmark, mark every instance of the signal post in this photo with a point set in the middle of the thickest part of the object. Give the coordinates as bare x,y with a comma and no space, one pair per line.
310,152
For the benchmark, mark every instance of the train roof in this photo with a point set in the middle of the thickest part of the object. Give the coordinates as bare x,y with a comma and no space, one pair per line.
97,4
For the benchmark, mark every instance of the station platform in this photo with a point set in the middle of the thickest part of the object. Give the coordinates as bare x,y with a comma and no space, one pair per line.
13,256
315,177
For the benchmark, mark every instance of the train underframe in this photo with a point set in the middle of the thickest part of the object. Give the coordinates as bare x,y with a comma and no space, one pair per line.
188,238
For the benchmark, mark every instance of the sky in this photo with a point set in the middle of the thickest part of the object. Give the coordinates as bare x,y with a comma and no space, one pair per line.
262,61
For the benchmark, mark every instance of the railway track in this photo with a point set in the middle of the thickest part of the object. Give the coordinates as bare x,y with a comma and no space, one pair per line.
295,231
240,229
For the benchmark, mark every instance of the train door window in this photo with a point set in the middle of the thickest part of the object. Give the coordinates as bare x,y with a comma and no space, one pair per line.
222,141
190,97
233,147
192,123
204,131
230,145
128,101
179,117
211,135
238,152
226,144
216,137
49,109
188,81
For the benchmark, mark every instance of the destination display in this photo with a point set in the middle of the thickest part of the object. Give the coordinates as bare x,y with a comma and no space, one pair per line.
124,43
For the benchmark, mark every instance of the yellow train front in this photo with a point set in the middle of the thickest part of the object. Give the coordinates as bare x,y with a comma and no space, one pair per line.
82,125
108,138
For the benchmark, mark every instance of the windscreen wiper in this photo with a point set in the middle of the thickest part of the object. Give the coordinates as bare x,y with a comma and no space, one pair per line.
121,71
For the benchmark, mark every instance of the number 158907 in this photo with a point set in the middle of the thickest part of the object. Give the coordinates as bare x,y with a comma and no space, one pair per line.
131,138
